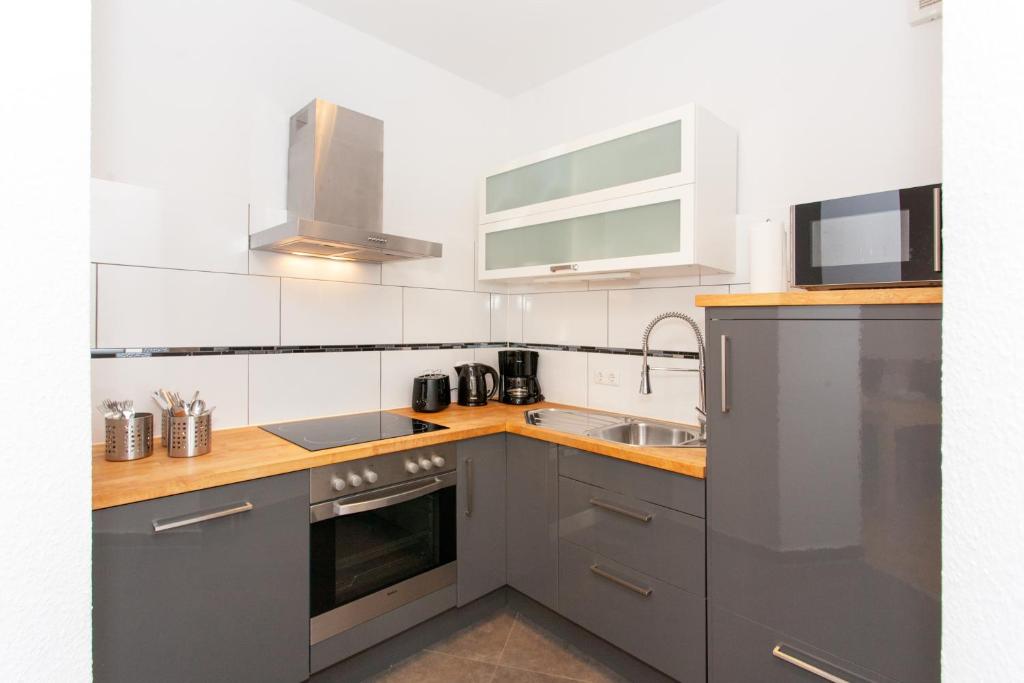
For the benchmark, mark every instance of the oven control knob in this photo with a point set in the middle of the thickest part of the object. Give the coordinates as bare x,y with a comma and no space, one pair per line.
355,480
370,476
426,464
337,483
411,467
437,460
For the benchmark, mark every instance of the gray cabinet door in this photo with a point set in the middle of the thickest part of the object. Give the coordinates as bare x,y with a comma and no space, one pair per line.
481,516
533,519
226,599
824,488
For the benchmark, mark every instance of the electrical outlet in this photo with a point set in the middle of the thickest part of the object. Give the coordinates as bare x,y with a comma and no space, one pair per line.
598,377
606,377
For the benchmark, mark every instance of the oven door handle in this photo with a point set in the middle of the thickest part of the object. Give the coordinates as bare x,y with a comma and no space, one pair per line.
340,508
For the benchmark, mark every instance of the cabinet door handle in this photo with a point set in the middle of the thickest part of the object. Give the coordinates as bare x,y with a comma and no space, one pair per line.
605,574
937,228
725,374
214,513
565,266
469,487
807,666
642,516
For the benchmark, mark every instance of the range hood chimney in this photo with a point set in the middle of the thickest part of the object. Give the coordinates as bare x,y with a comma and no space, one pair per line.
336,191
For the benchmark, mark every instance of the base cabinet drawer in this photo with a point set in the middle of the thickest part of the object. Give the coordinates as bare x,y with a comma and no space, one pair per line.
663,543
742,650
668,489
654,621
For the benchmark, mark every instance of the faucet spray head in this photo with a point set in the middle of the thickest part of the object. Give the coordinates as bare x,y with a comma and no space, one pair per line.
645,379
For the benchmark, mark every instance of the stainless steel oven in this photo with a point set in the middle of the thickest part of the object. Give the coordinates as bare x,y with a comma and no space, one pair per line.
382,533
880,239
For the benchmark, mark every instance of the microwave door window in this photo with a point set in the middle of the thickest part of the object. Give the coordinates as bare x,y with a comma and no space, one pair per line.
857,238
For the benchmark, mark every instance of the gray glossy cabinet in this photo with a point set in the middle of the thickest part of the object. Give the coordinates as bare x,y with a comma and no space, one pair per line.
481,516
656,622
824,490
665,543
225,599
532,514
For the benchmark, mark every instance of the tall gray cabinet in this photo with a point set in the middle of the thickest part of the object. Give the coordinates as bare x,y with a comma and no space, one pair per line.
204,586
823,493
481,516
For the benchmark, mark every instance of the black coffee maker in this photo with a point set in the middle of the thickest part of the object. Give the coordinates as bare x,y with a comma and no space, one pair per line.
519,384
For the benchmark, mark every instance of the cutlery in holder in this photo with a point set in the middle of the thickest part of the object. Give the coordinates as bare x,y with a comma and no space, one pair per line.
187,436
129,437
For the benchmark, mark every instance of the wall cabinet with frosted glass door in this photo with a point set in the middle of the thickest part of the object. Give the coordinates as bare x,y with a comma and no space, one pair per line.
654,197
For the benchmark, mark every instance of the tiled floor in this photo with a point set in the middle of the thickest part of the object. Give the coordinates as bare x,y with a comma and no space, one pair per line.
503,648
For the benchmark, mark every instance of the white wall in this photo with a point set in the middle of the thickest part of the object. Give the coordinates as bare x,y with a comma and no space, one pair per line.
45,625
829,99
983,376
191,107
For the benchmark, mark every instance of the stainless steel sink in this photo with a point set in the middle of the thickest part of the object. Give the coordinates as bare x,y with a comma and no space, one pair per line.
644,433
621,429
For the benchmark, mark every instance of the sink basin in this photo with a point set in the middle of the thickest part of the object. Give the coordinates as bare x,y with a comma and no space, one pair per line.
643,433
621,429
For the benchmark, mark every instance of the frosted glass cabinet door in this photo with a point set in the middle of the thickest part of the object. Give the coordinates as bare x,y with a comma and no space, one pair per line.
594,237
640,230
642,155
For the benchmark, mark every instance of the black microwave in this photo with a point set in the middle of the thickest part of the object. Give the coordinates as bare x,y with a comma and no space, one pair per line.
884,239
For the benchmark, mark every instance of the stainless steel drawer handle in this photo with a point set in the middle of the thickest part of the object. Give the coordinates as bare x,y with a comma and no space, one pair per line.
469,487
725,374
186,520
605,574
642,516
806,666
937,228
565,266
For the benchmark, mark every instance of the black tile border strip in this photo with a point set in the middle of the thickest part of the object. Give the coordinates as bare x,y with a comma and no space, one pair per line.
166,351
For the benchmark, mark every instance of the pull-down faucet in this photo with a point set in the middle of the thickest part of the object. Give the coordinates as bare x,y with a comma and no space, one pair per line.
645,370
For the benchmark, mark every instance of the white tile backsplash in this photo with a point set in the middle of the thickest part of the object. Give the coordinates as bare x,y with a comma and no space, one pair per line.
563,376
289,265
673,397
575,318
156,307
507,318
293,386
168,228
222,381
318,312
398,368
435,316
631,310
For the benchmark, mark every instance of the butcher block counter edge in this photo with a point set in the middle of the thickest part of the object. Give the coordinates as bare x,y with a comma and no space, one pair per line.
247,453
846,297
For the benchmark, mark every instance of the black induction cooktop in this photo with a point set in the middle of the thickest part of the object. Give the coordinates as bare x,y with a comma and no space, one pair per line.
345,430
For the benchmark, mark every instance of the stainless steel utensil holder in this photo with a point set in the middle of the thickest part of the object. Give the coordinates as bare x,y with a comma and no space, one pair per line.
188,436
129,439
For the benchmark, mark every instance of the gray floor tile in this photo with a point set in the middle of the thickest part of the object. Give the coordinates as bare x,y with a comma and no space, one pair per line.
531,648
483,641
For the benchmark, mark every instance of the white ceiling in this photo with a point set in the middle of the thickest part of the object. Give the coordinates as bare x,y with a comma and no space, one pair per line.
509,46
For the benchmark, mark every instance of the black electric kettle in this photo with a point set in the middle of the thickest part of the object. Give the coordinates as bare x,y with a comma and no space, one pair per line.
473,383
431,392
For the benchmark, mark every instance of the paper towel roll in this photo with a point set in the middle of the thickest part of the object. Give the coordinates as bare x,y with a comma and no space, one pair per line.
767,257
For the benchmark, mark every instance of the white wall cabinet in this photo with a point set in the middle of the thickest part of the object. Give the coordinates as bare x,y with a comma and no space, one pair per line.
656,195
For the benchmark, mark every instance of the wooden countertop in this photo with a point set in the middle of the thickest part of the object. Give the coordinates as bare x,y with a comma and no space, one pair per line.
247,453
845,297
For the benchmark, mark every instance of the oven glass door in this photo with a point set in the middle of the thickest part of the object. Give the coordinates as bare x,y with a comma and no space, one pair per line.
362,552
882,238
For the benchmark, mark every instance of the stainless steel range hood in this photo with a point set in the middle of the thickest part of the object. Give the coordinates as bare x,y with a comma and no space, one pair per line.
336,191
